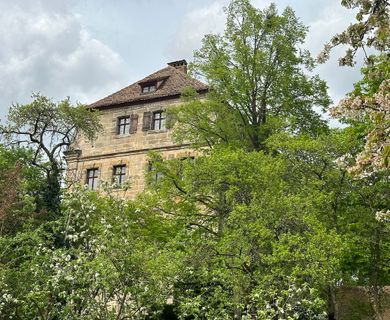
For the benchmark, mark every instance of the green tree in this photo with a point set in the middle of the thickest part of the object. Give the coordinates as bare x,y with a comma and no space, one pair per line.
258,80
371,29
368,105
102,259
20,190
49,128
347,205
249,237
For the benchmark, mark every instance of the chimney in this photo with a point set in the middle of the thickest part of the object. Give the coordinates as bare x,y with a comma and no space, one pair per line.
179,65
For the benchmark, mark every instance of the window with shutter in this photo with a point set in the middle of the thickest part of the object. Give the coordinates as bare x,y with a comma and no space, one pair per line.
158,120
123,125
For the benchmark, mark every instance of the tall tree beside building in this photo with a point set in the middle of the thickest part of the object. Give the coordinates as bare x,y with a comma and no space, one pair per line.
258,79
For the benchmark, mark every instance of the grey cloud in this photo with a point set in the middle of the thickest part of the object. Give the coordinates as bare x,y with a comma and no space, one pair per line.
45,48
193,27
324,19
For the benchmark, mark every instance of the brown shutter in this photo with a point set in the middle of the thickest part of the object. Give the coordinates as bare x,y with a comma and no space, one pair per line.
117,125
133,123
147,121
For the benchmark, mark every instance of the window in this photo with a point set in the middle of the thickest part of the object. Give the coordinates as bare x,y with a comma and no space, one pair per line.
119,175
149,88
185,161
158,120
123,125
155,175
93,178
190,159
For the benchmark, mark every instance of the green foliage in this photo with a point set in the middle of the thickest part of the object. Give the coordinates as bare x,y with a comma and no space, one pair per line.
252,226
258,80
371,29
44,115
244,227
373,76
20,191
49,128
266,223
101,260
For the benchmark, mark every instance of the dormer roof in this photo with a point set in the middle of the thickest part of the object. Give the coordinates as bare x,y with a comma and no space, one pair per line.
169,81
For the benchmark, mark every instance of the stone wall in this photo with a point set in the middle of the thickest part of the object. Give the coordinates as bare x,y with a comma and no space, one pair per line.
353,303
131,149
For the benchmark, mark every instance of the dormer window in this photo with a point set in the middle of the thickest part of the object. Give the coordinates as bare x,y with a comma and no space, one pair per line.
150,87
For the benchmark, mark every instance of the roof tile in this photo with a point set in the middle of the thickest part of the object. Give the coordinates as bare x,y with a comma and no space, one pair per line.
173,83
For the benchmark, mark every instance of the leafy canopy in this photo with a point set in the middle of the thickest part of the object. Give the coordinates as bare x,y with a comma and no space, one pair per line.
258,79
48,129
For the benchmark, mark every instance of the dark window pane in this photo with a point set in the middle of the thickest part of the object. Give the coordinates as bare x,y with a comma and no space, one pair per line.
119,174
123,125
158,120
93,178
149,88
156,175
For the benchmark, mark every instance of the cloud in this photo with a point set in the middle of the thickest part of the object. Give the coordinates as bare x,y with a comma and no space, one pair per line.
332,20
194,26
324,19
45,48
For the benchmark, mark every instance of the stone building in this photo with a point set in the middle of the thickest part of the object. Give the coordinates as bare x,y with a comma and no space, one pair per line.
134,124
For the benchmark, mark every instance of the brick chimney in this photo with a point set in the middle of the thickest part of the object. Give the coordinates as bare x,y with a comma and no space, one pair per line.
179,65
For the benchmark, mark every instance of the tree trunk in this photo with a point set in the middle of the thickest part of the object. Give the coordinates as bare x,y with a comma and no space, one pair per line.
52,192
375,294
333,312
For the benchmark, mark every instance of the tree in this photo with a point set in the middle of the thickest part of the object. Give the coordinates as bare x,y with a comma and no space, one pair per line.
256,72
20,190
370,101
252,243
369,105
347,205
112,262
371,29
245,220
49,128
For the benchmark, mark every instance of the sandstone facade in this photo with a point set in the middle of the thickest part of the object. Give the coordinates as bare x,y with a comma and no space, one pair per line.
128,145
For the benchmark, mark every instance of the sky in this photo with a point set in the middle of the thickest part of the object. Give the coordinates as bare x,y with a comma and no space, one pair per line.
88,49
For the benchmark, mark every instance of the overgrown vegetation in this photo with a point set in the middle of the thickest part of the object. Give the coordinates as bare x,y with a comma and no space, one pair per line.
274,216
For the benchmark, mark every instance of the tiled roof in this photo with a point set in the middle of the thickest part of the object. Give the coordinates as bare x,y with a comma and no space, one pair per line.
171,81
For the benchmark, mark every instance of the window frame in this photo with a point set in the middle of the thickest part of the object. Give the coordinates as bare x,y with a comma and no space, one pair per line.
156,175
126,125
92,181
119,178
161,120
149,87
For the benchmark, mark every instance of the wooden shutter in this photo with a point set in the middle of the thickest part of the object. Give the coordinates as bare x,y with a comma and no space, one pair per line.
117,125
133,123
147,121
